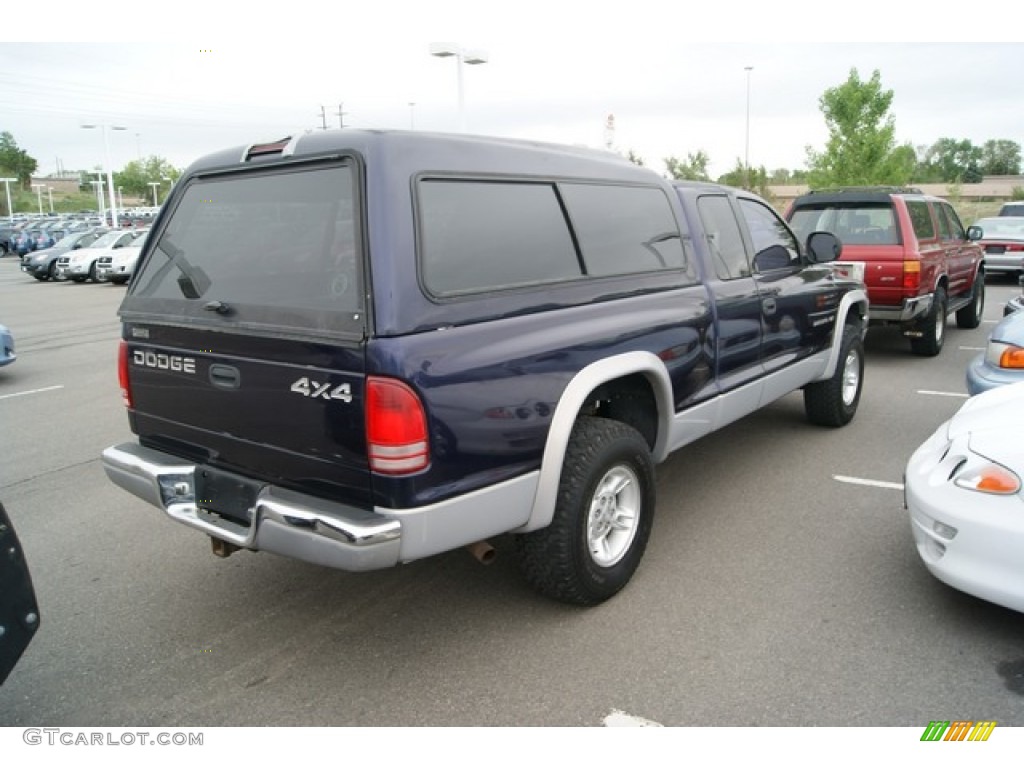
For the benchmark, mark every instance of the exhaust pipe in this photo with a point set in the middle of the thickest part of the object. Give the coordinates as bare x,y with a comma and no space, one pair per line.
482,551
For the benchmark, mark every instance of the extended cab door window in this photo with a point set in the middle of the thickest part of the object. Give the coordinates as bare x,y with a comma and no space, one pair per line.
725,242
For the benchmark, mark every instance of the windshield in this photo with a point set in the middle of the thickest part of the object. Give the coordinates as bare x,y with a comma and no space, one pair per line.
107,240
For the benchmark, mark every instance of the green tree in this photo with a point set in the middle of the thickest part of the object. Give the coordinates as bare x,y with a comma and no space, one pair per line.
136,176
694,169
753,179
861,148
1000,157
634,158
953,161
15,161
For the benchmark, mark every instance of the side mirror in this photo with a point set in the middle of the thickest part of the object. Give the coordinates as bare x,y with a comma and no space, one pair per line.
823,247
975,233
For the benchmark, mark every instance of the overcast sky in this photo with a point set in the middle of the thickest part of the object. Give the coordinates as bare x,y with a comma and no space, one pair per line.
675,80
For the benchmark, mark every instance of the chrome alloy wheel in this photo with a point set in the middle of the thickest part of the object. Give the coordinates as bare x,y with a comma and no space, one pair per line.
851,377
614,516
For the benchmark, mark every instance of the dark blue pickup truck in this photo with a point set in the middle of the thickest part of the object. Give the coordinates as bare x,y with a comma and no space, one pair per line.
361,349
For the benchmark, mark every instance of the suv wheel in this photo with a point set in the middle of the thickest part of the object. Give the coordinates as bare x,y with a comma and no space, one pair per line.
933,327
833,403
602,518
970,316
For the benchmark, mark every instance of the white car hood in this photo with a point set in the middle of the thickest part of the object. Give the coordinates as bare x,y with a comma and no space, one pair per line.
994,424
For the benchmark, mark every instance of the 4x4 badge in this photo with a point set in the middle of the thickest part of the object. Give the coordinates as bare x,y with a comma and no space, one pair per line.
313,389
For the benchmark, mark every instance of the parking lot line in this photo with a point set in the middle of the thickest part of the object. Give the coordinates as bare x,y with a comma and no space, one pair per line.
872,483
963,395
32,391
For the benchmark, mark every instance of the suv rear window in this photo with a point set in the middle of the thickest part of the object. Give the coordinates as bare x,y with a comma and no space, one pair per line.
858,224
276,250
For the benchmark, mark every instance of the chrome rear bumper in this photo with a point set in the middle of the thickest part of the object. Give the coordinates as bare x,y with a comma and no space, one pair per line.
283,522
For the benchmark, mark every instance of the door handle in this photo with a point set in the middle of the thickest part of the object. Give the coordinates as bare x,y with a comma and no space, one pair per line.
769,306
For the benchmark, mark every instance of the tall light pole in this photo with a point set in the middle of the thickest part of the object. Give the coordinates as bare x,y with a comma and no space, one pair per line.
155,185
110,171
412,115
49,191
39,194
746,154
10,208
99,199
462,56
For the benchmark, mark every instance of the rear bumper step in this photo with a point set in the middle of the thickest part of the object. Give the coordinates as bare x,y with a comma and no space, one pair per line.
283,522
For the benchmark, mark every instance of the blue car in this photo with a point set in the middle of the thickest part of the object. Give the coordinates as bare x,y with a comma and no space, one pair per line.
1002,362
7,355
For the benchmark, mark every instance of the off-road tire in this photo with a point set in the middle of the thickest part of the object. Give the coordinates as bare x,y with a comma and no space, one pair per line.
932,327
602,520
833,403
970,316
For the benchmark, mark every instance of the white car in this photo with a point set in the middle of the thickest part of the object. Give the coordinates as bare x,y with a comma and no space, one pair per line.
963,493
118,265
80,265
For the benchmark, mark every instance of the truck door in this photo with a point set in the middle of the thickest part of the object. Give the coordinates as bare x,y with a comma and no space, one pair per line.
737,342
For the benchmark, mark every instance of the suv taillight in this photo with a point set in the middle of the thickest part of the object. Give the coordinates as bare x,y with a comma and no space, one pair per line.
396,428
911,276
122,375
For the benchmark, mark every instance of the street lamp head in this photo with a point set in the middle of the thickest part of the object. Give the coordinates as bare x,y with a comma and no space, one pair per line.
444,49
475,57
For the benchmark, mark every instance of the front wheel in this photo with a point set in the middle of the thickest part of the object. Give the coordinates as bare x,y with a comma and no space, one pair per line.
602,518
833,403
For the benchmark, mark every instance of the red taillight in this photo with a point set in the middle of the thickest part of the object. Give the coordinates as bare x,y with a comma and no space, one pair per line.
911,276
122,374
396,428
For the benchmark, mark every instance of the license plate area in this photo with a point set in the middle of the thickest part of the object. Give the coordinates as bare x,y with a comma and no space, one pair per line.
226,494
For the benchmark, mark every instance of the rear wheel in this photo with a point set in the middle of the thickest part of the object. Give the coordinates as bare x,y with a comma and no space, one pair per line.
932,327
970,316
602,518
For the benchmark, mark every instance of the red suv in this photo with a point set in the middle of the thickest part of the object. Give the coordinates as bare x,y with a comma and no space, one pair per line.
920,263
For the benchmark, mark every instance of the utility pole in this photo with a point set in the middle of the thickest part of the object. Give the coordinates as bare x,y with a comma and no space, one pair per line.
341,114
323,118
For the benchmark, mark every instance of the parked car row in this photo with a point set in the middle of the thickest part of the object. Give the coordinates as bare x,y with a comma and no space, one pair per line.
88,256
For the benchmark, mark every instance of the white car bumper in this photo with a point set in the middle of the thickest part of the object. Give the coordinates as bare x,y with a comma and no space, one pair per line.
971,540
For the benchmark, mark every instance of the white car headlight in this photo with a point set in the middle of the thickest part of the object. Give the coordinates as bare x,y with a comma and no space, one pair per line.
987,478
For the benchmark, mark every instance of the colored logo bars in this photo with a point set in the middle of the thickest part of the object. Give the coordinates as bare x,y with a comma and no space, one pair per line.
958,730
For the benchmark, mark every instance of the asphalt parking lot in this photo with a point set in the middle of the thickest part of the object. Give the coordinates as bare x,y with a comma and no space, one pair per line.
781,586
